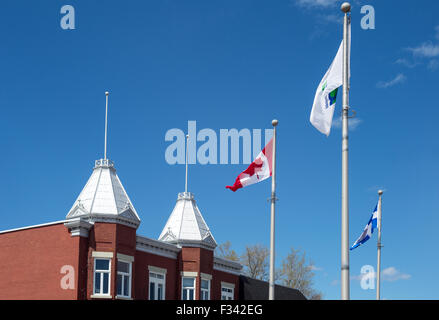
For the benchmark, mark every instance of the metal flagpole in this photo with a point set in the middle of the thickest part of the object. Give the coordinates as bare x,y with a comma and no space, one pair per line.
106,116
185,184
346,8
379,246
273,201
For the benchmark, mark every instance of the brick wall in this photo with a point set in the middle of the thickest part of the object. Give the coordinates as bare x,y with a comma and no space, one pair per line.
219,276
142,261
31,262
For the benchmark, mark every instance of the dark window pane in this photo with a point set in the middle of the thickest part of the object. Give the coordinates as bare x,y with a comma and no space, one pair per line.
151,291
184,294
105,285
97,282
205,284
188,282
191,294
159,292
119,284
123,267
102,264
126,286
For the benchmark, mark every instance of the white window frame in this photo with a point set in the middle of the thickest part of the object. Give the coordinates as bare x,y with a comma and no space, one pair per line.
124,274
101,294
188,275
202,290
208,278
157,281
228,286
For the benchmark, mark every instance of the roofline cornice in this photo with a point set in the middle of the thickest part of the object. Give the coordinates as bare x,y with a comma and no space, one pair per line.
33,226
157,247
228,266
193,244
78,227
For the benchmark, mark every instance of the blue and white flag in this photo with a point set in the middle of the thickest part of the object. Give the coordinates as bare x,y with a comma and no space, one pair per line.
368,230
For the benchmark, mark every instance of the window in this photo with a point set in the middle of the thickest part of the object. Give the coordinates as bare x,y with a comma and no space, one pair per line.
188,288
205,289
157,282
226,293
123,284
102,277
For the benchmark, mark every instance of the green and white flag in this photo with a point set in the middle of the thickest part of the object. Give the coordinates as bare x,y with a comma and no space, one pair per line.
326,95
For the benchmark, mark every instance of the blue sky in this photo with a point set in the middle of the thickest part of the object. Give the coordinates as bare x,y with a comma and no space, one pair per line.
230,64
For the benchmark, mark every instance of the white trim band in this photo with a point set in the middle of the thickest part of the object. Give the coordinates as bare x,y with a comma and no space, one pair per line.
102,254
206,276
125,258
34,226
189,274
227,285
157,270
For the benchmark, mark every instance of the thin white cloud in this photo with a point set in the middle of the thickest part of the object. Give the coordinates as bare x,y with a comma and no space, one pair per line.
330,18
353,123
425,50
335,282
433,64
316,3
391,274
400,78
406,63
315,268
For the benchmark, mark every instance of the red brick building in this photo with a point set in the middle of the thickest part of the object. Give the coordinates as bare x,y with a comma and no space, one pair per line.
95,253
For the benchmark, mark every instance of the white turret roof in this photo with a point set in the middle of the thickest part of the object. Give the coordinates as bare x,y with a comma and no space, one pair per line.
104,198
186,226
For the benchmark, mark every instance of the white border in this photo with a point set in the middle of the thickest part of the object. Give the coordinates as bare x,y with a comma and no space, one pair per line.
100,295
102,254
34,226
154,269
195,285
125,258
161,271
188,274
124,274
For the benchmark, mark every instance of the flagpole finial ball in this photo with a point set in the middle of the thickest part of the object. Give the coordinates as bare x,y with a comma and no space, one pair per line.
107,93
346,7
380,192
274,122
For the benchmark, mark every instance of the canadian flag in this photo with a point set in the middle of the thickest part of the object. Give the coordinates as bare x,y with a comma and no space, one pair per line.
257,171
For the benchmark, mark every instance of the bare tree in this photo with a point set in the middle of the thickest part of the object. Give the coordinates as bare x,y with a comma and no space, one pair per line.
224,251
255,261
297,273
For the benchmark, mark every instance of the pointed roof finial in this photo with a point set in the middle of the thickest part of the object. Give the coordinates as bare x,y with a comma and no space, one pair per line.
106,123
185,185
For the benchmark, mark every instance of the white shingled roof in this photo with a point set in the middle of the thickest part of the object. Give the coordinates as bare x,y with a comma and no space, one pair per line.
104,197
186,224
